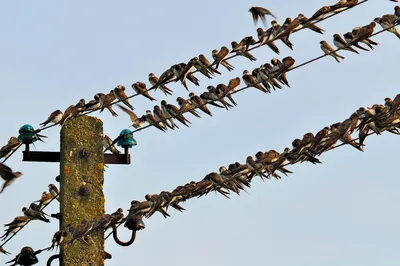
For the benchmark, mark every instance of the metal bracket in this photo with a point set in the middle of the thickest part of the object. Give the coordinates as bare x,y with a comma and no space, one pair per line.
121,243
54,157
54,257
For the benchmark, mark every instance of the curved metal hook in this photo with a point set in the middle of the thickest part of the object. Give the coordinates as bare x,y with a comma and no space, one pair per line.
54,257
121,243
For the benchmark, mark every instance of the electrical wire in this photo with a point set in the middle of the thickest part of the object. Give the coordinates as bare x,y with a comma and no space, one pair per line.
247,87
230,57
8,239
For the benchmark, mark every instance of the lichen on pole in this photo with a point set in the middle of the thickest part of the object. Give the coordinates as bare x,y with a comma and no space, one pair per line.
81,187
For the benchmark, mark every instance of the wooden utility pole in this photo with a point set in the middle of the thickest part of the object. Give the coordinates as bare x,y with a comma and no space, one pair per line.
81,187
81,182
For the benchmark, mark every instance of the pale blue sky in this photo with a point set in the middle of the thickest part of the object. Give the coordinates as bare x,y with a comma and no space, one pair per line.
343,212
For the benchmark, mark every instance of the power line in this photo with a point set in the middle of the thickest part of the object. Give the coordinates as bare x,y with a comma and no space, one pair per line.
44,206
247,87
230,57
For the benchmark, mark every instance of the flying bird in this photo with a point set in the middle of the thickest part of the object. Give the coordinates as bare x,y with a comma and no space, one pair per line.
260,13
136,121
8,175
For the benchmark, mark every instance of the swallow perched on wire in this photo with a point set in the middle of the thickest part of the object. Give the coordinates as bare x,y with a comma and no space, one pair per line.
166,77
260,13
309,25
199,103
385,24
12,144
14,226
154,122
186,106
8,176
242,51
171,112
330,51
119,92
204,61
159,116
348,37
278,29
252,81
105,101
54,191
27,256
108,144
339,42
35,213
220,56
320,14
154,81
58,239
54,118
140,88
44,199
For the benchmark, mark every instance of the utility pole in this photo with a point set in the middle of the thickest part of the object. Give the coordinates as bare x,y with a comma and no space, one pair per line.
82,162
81,187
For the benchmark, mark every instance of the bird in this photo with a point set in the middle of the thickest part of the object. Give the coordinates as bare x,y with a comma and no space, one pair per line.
159,116
199,103
108,144
153,121
27,256
2,250
171,112
186,106
33,213
330,51
278,34
320,14
154,81
58,239
93,105
8,176
204,61
119,92
220,56
140,88
242,50
339,42
137,122
54,118
54,191
397,11
224,63
342,4
260,13
105,101
361,34
70,113
302,19
12,144
14,226
167,76
44,199
385,24
252,81
348,37
79,231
